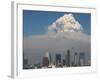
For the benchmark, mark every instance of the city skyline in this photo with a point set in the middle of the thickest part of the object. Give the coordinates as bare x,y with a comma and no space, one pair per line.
69,60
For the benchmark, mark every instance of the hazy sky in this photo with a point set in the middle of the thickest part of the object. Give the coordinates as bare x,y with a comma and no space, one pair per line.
37,22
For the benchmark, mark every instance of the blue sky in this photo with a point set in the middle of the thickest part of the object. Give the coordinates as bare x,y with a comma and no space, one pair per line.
37,22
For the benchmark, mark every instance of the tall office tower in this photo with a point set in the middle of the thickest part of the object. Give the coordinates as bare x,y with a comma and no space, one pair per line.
64,62
47,54
72,51
68,58
82,59
50,58
76,61
46,59
58,60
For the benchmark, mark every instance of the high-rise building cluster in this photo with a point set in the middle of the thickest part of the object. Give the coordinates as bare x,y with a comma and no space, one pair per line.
68,60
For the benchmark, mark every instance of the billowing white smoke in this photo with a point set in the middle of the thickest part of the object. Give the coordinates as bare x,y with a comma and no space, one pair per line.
65,23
